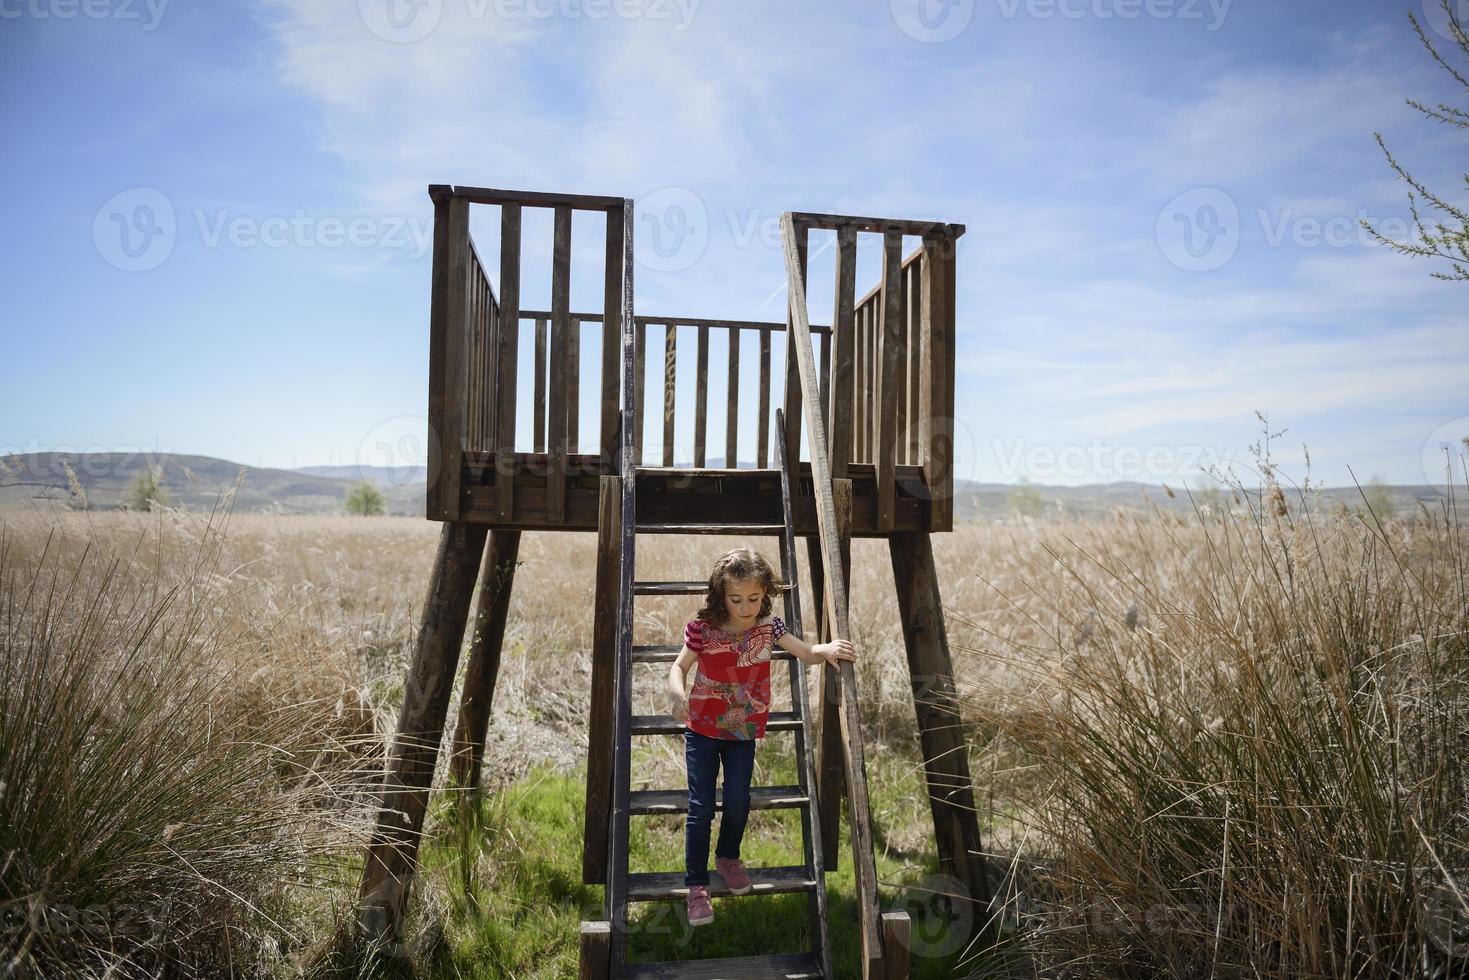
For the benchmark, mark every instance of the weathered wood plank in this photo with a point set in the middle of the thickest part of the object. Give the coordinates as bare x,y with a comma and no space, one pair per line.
670,364
844,343
508,356
539,199
762,453
831,222
573,385
701,395
889,380
860,814
594,954
604,665
611,353
392,855
540,394
937,435
912,304
831,777
897,932
556,447
486,641
640,373
447,370
732,402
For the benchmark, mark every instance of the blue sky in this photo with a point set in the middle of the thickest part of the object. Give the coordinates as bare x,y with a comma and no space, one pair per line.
1161,199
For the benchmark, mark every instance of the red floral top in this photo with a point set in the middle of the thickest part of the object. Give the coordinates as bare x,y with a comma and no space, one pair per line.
731,693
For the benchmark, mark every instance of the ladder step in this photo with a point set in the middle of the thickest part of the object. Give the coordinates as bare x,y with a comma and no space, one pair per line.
738,528
778,721
777,966
665,653
649,587
677,800
653,886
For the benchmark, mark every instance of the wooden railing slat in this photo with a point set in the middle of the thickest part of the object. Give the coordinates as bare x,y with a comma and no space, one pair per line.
640,343
701,396
560,337
540,389
889,380
732,402
611,355
762,453
670,356
843,340
508,360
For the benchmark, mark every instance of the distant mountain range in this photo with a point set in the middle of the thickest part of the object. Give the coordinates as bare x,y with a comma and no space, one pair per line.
200,481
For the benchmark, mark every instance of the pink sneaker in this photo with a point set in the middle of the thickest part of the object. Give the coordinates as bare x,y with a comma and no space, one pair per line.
700,911
734,875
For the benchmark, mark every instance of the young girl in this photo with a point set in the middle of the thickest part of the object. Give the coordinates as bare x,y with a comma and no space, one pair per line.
725,713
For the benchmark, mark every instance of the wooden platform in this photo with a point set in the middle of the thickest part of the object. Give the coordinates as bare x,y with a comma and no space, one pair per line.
685,495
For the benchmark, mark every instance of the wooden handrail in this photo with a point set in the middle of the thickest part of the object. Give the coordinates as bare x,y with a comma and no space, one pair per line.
859,813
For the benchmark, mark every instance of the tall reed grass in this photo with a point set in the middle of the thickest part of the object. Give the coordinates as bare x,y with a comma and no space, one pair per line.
1234,744
166,792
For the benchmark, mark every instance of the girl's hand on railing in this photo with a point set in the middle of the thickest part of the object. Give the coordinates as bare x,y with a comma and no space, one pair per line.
836,651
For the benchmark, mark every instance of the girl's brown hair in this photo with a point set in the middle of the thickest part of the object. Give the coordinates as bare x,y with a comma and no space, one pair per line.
737,566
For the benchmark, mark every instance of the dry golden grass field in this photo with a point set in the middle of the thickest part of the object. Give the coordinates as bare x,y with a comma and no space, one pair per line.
1228,744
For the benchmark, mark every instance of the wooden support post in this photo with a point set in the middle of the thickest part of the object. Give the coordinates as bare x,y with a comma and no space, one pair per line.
596,950
392,856
486,642
762,446
831,779
897,932
604,669
945,755
447,362
937,378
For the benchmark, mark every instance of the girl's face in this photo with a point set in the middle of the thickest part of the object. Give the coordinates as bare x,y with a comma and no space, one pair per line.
742,600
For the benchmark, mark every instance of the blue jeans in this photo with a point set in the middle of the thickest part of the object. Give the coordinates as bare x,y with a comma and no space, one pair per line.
703,755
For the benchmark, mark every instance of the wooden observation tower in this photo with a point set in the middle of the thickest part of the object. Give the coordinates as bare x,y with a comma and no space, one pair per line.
875,392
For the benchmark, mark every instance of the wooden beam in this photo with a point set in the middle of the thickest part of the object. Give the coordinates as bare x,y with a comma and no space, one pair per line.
831,780
392,856
596,939
507,358
560,361
537,199
897,931
447,368
860,814
486,642
604,665
936,384
889,381
833,222
940,727
640,372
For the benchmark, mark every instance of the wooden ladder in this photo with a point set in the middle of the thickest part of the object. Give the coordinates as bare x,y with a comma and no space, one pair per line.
809,876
